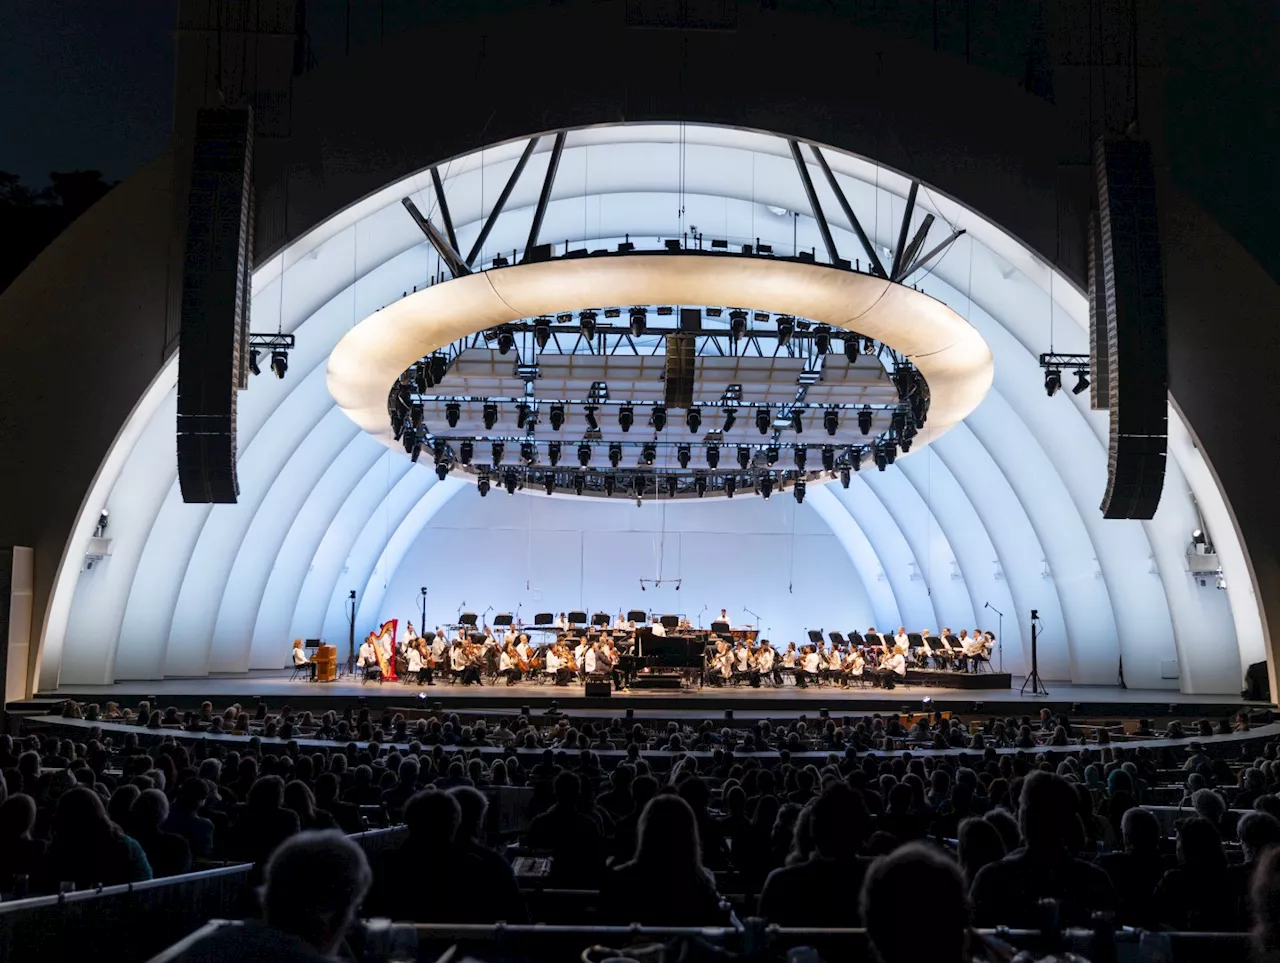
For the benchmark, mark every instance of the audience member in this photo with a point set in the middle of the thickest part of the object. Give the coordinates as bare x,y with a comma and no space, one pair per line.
168,853
88,849
894,924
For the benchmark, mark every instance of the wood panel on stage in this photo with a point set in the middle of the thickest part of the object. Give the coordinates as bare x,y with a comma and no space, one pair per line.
326,660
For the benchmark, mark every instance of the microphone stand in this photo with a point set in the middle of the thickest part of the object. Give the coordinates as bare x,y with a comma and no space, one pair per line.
749,612
704,608
1000,637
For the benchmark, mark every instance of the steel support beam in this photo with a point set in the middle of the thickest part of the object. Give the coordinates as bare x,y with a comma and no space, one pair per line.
922,261
914,247
902,231
553,164
873,260
447,252
814,206
502,201
443,205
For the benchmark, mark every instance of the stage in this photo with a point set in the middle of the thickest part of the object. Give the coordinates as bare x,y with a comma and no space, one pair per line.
277,689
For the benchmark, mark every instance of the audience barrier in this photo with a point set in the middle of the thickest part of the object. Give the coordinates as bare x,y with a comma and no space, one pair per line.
132,922
381,941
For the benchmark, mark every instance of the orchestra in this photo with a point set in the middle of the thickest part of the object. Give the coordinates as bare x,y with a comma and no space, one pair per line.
569,650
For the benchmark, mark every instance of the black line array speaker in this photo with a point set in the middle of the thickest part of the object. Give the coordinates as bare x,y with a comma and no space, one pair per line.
1133,310
678,387
1099,341
216,278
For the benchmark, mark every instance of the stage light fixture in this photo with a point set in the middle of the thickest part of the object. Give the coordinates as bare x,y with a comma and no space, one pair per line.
451,412
414,451
409,438
588,320
802,456
851,349
1052,381
766,486
1198,538
436,367
737,324
700,485
831,420
770,455
683,454
798,491
279,363
638,486
483,485
549,483
589,412
694,419
855,458
890,452
898,421
672,486
1082,382
397,423
438,449
610,483
442,470
506,341
659,418
828,458
639,318
880,458
553,453
864,420
822,339
498,449
423,379
762,419
786,326
579,483
415,416
844,478
522,416
490,415
713,456
584,454
615,454
797,420
730,416
509,481
253,361
648,453
528,452
868,346
542,332
465,451
626,417
744,456
730,485
556,417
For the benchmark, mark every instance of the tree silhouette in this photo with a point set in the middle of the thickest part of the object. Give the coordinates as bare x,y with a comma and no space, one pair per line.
30,219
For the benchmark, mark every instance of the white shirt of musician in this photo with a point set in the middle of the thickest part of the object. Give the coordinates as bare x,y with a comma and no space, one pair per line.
766,659
504,663
458,657
509,638
591,660
789,659
811,662
659,629
553,662
834,660
622,622
415,660
368,655
897,664
740,658
384,645
300,656
579,651
523,649
561,622
856,663
438,645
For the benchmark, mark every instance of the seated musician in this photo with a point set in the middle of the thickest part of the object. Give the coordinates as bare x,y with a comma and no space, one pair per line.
926,650
300,658
439,647
854,664
580,656
367,659
873,639
685,625
767,663
460,662
621,622
808,667
948,650
523,647
835,666
720,664
789,658
741,660
591,660
893,668
416,665
490,655
659,630
509,664
509,637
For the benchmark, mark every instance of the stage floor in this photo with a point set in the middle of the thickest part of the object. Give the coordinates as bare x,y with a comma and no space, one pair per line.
277,688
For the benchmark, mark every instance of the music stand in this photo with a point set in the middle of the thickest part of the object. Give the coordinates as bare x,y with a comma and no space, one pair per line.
601,620
468,618
544,618
428,637
637,615
815,636
855,638
720,628
477,637
914,640
670,621
577,618
503,618
836,638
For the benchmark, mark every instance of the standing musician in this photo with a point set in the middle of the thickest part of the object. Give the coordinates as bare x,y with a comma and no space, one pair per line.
300,658
621,622
562,622
892,668
509,637
901,641
721,669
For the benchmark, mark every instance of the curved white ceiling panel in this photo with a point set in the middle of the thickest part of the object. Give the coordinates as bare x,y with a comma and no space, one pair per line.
1001,509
